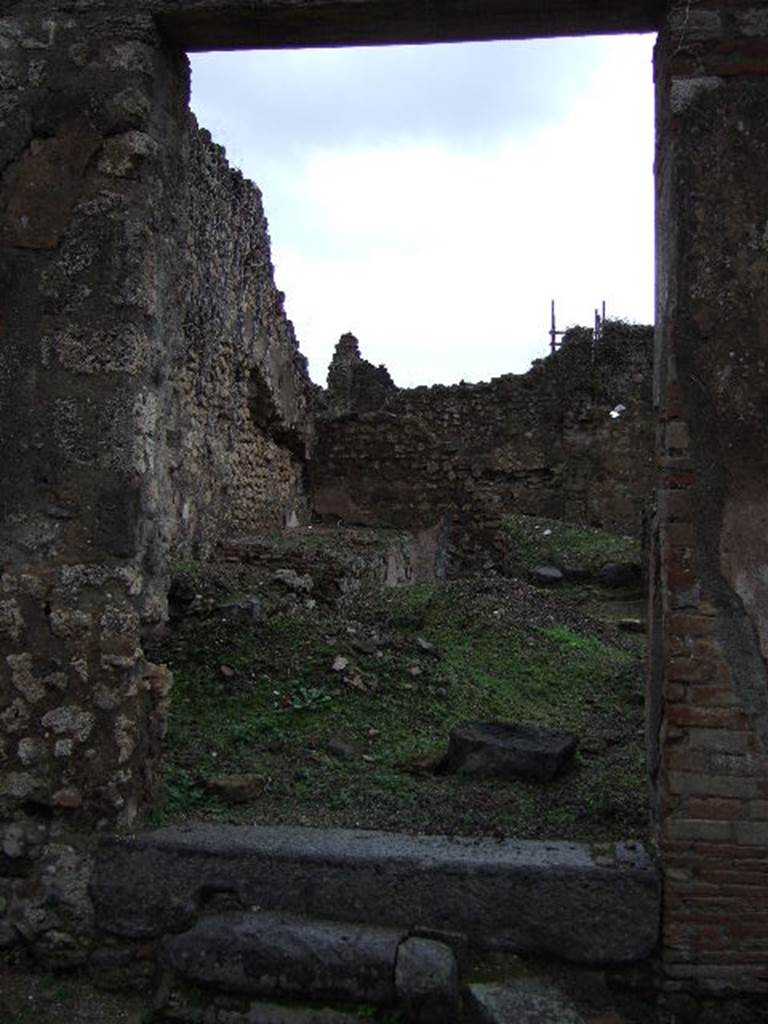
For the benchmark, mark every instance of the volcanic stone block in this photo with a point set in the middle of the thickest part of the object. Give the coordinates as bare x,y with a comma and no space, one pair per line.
427,982
266,954
508,750
525,1001
552,898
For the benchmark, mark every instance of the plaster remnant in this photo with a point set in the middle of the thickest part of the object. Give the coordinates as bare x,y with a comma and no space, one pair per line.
686,90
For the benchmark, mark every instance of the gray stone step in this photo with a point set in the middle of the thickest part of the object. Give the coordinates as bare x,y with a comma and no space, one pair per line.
561,899
287,957
525,1001
257,1012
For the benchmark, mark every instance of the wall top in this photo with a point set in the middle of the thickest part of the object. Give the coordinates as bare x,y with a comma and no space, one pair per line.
197,25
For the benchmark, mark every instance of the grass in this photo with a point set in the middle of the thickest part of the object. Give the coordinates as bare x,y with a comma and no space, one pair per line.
537,541
355,747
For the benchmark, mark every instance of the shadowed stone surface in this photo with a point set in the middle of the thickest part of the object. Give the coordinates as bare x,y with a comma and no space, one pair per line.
228,24
508,750
521,1002
277,955
427,982
519,896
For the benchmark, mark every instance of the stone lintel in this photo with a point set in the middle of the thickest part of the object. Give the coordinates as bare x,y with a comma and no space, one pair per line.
199,25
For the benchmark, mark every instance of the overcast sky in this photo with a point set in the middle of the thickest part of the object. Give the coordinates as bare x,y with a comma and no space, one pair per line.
433,200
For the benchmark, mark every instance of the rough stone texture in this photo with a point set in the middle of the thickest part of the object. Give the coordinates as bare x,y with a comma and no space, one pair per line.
554,898
708,706
151,399
264,954
240,427
542,443
353,382
526,1001
93,284
507,750
427,982
343,560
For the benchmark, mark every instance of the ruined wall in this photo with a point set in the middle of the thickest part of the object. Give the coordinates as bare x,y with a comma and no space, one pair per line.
543,443
151,402
240,384
708,700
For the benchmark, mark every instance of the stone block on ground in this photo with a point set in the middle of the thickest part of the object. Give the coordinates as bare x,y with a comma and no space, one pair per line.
524,1001
427,982
549,898
546,575
283,956
508,750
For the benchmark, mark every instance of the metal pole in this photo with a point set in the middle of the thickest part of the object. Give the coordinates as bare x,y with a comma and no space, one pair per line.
552,330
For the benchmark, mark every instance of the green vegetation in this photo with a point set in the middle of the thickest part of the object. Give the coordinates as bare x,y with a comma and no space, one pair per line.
341,712
536,541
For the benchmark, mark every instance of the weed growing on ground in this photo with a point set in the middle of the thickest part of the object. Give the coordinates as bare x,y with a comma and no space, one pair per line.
341,712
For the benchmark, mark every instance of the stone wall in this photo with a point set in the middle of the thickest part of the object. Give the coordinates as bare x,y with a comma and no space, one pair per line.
708,699
543,443
152,402
93,292
240,385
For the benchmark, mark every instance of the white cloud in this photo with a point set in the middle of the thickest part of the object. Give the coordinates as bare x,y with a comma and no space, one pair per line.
443,259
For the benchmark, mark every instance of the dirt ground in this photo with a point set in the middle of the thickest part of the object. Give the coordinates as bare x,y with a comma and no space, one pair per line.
29,995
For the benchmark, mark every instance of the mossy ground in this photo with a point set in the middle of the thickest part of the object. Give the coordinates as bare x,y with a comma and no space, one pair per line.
356,746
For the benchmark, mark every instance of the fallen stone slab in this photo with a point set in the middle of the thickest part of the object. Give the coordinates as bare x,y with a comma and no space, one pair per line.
285,956
523,1001
546,575
508,750
552,898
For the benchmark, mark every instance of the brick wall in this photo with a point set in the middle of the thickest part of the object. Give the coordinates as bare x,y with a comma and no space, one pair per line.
708,701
